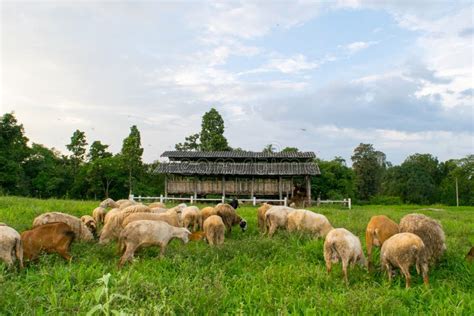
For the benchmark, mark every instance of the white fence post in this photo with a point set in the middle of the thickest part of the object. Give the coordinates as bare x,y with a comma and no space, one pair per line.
191,199
285,201
223,199
254,201
130,197
349,203
139,198
161,198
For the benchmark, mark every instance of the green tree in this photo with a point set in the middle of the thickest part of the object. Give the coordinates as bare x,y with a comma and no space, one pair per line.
290,150
268,149
98,150
132,155
461,170
369,166
13,152
104,174
190,143
212,132
336,180
77,147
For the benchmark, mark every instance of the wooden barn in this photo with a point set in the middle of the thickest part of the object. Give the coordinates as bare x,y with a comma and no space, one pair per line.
238,173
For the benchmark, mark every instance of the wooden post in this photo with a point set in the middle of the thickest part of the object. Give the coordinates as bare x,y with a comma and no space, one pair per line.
457,193
195,187
223,186
280,193
166,185
252,187
308,190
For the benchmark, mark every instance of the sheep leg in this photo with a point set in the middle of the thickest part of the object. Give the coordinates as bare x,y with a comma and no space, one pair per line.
368,242
127,255
272,230
260,224
162,250
406,272
63,250
7,258
345,264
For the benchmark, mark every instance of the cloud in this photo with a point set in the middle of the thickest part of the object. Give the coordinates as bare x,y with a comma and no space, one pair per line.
356,47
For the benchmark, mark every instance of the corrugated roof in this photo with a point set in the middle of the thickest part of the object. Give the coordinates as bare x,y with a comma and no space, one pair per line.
231,168
238,154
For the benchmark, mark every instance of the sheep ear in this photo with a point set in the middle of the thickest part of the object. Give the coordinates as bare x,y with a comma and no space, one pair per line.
187,230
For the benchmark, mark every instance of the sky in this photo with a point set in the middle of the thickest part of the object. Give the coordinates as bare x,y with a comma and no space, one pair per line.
319,76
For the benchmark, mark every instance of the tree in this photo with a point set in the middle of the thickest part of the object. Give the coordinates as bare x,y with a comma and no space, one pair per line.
103,173
212,132
132,154
190,143
290,150
461,170
336,180
98,151
77,147
368,165
13,152
268,149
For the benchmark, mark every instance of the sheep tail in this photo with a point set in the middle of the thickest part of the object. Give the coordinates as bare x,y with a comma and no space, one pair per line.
19,251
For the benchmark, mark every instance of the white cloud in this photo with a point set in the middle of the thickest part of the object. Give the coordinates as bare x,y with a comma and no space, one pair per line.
356,47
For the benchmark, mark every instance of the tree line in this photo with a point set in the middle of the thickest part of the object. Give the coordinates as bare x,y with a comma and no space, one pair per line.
91,171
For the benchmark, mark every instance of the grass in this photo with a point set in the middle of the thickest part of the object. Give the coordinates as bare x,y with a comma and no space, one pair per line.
250,274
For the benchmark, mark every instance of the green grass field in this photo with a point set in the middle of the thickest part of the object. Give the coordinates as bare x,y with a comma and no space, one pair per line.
250,274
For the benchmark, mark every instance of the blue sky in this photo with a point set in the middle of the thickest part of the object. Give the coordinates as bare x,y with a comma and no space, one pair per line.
321,76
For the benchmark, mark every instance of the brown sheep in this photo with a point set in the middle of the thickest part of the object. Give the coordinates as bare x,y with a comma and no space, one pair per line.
402,251
99,215
306,221
168,218
90,223
81,231
379,229
214,228
230,217
51,238
110,214
262,210
429,230
208,211
11,248
196,236
191,216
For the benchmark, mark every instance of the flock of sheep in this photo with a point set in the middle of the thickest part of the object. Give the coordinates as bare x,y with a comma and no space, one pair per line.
418,240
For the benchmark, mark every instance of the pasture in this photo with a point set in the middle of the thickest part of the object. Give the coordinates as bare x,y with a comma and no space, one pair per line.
250,274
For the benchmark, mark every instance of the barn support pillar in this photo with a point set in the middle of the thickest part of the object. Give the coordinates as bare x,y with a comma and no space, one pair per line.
223,186
280,189
166,185
308,190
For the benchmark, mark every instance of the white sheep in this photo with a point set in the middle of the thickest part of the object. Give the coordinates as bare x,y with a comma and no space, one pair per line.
341,244
306,221
148,233
10,246
99,214
81,231
108,203
191,216
402,251
171,219
277,217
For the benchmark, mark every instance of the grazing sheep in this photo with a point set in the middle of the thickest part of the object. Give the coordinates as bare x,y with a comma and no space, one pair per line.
196,236
429,230
81,231
262,210
113,226
51,238
148,233
214,229
158,210
191,216
99,215
126,204
11,248
208,211
277,216
234,203
157,205
165,217
341,244
402,251
108,203
470,255
111,214
90,222
123,201
230,217
379,229
302,220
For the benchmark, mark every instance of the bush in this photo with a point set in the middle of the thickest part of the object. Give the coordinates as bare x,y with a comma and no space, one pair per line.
386,200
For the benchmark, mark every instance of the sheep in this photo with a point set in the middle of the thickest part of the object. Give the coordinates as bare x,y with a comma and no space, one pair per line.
110,214
90,222
81,231
214,228
262,210
11,248
402,251
199,235
50,237
379,229
341,244
302,220
158,210
234,203
277,216
165,217
99,215
108,203
147,233
157,205
124,201
191,216
113,226
429,230
230,217
126,204
470,255
208,211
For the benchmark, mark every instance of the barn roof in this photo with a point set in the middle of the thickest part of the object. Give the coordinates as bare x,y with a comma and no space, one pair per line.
247,169
237,154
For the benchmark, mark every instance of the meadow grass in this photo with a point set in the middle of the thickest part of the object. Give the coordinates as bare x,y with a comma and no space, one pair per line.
250,274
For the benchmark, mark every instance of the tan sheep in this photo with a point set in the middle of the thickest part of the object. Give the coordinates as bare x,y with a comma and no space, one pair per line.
379,229
341,244
99,215
157,205
81,231
277,217
402,251
306,221
262,210
208,211
214,229
113,226
11,248
111,214
108,203
191,216
126,204
230,217
165,217
158,210
148,233
429,230
90,222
